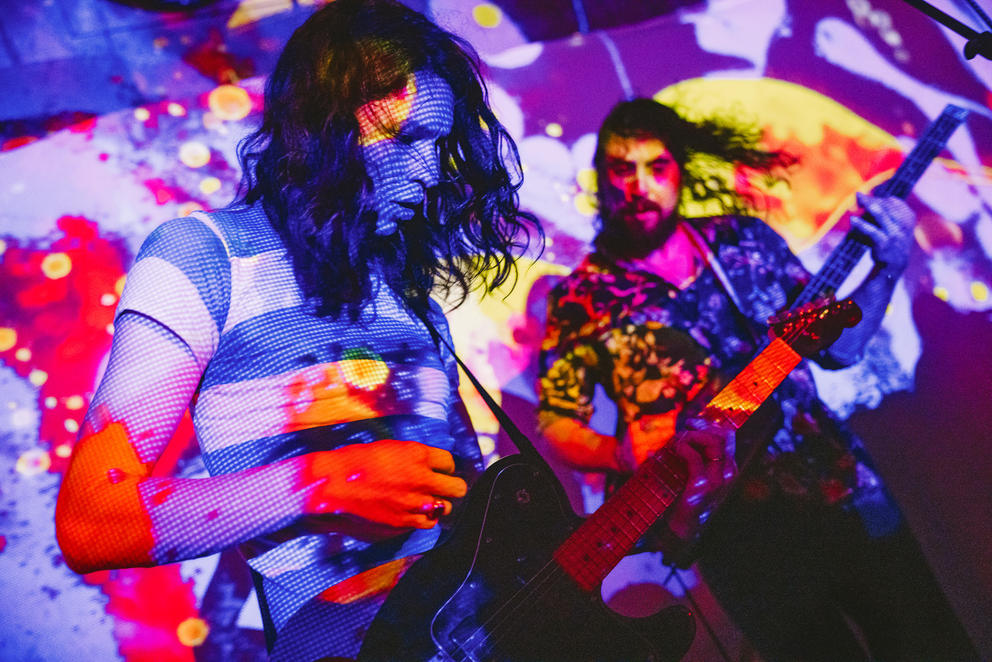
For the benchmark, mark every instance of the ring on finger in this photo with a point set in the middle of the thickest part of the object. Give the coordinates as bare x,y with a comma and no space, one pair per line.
433,510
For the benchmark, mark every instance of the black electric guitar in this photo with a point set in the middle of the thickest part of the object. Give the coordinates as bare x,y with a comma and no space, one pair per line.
518,578
848,252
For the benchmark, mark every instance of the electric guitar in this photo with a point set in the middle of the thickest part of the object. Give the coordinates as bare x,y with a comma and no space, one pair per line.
848,253
518,578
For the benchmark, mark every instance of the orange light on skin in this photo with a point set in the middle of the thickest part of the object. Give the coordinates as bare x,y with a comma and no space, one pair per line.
651,433
644,168
101,485
380,119
327,398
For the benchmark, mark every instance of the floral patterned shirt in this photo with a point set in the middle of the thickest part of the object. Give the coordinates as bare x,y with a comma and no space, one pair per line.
656,349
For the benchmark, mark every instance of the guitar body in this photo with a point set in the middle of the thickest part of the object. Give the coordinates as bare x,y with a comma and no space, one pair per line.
492,591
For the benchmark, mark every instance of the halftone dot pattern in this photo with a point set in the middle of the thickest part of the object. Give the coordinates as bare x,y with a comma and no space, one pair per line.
146,358
401,152
343,626
216,290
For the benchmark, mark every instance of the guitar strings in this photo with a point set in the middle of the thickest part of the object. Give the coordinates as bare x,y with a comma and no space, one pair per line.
502,621
493,630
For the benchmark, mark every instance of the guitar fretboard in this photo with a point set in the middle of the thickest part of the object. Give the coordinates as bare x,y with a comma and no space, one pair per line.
608,534
842,260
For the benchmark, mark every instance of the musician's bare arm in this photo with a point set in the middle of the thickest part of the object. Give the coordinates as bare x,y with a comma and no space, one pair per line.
115,511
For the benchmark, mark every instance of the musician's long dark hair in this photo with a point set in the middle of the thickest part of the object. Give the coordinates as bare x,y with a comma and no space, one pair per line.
304,166
696,146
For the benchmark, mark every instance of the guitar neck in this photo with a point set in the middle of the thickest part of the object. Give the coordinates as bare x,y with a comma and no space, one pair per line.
608,534
848,253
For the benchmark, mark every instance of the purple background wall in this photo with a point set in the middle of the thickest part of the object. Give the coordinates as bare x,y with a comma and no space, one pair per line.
115,118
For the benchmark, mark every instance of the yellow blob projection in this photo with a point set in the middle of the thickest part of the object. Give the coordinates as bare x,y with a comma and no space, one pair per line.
839,152
8,338
56,265
192,631
229,102
487,15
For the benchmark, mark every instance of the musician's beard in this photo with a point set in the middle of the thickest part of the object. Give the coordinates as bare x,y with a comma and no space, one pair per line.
626,231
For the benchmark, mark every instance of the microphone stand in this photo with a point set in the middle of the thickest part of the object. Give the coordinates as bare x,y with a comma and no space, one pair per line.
979,43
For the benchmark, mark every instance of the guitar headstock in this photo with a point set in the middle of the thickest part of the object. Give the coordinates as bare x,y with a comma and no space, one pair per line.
813,327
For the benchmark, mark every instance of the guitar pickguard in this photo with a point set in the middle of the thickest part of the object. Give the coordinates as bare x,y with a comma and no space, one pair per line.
493,592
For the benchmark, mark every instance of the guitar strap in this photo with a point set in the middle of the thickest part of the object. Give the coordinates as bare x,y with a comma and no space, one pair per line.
704,247
693,549
519,439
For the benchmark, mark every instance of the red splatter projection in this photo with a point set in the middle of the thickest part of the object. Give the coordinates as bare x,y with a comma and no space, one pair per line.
18,133
146,630
165,194
212,59
59,300
831,171
61,320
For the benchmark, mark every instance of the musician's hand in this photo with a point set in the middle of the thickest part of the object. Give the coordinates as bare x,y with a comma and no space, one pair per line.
708,450
401,484
645,436
888,225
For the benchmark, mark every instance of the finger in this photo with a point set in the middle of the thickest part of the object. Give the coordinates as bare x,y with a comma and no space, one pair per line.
709,439
717,446
435,508
695,467
730,444
440,460
891,214
445,486
865,201
870,230
430,512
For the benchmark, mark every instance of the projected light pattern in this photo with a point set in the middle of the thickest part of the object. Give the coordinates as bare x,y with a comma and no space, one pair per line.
847,86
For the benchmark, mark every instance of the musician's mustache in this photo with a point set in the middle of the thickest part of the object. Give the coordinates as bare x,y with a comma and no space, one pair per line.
638,205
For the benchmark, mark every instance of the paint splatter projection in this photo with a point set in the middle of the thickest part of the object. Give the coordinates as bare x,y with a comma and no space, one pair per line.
846,86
